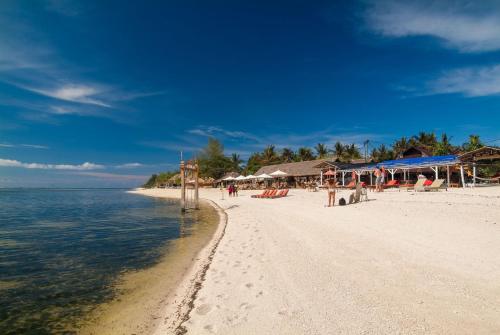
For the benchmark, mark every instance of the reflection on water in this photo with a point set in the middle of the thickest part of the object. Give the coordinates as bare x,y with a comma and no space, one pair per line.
61,251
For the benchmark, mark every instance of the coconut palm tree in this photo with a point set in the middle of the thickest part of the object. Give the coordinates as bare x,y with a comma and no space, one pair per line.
269,155
473,144
236,162
400,145
321,150
305,154
287,155
339,150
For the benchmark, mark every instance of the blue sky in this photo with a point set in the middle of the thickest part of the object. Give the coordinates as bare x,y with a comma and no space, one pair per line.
104,93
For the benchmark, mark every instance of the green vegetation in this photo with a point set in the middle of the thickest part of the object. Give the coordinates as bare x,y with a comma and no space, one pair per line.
163,178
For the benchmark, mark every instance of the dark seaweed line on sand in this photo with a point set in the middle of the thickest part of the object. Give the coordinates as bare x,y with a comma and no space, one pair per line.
201,275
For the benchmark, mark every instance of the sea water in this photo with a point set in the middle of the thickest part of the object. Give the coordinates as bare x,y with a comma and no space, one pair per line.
61,251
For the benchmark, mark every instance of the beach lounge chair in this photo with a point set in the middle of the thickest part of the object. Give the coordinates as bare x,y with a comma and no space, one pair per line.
408,187
392,183
281,194
266,192
436,185
270,194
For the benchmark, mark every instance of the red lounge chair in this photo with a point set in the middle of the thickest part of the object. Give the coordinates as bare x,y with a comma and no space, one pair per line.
270,194
428,182
266,192
282,194
392,183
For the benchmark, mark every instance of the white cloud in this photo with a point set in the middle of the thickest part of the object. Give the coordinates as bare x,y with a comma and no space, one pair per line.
129,165
15,163
471,82
83,94
464,25
32,146
216,131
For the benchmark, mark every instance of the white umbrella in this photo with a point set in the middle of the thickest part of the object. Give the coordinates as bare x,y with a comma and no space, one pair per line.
279,173
228,178
250,176
264,176
242,177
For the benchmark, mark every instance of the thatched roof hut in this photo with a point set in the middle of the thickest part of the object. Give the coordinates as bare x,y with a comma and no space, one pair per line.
295,169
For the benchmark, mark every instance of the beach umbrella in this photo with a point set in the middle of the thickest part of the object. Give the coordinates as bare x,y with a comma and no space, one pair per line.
250,176
279,173
242,177
228,178
264,176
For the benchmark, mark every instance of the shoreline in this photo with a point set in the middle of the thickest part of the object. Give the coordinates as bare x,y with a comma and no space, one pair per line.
166,289
177,310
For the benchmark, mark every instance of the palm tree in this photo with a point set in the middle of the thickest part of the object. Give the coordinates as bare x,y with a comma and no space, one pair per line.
321,150
443,147
305,154
339,150
473,144
269,155
352,151
287,155
236,162
400,145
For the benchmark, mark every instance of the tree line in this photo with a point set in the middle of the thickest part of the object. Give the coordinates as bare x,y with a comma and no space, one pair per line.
214,163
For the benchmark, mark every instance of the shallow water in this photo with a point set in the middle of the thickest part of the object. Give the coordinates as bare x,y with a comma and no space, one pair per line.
61,251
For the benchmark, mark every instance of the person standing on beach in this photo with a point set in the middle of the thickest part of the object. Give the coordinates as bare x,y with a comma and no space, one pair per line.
377,174
382,179
331,192
230,190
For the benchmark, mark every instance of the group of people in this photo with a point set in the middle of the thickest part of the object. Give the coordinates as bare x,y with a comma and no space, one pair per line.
380,175
233,190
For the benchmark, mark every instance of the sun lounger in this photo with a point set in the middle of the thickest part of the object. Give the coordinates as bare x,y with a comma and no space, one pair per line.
435,186
266,192
392,183
281,194
408,187
271,194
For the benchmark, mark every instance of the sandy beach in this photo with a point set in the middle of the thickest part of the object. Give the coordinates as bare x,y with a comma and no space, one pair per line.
401,263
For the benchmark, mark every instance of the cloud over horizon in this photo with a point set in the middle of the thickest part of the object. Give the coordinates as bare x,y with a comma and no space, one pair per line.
16,163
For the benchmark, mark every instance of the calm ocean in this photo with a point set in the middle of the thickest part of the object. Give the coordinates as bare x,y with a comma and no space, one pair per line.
61,250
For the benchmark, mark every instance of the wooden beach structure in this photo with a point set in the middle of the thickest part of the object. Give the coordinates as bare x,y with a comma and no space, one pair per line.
189,172
296,172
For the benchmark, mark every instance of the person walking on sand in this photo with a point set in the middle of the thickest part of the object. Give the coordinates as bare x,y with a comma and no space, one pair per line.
230,190
331,192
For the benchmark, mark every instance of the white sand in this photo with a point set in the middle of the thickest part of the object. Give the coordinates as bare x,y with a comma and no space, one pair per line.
402,263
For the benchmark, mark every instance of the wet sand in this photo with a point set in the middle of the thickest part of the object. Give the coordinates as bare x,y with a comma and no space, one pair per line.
145,296
403,262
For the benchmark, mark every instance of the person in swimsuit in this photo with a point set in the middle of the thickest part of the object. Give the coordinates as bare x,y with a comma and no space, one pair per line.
377,174
331,192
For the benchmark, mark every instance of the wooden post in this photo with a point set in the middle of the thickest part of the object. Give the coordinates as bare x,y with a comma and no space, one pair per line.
321,178
462,175
183,187
371,178
437,172
474,174
343,178
196,194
